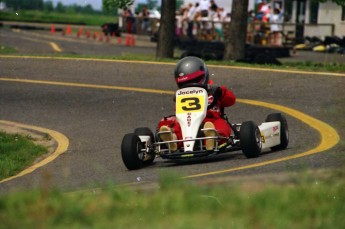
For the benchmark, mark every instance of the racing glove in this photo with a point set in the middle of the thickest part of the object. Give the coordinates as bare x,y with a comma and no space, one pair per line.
216,91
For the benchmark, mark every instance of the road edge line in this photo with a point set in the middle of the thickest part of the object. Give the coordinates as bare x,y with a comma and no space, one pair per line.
62,146
329,137
167,63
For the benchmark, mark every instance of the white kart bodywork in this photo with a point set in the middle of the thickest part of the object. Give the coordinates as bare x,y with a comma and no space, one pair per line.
191,108
270,134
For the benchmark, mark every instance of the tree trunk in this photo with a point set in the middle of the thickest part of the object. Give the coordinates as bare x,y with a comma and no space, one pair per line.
237,32
165,45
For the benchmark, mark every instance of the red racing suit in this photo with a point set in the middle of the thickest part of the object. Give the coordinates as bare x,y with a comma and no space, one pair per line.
225,99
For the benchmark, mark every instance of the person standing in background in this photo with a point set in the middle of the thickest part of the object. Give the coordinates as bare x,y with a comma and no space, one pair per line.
191,17
275,26
145,20
204,6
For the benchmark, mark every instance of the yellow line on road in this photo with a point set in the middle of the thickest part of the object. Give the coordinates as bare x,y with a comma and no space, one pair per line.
55,47
87,85
280,70
34,40
62,146
329,136
173,64
52,44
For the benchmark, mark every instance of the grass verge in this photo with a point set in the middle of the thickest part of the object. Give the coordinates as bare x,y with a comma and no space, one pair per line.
53,17
7,50
16,153
306,202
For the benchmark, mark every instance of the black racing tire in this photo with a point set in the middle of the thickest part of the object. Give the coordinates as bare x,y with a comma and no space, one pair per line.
250,139
131,153
147,131
284,130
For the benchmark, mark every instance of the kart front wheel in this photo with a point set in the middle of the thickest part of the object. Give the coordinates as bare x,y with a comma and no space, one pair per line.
147,132
132,156
284,131
250,139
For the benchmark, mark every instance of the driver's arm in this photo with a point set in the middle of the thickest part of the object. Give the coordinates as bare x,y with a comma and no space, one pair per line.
227,97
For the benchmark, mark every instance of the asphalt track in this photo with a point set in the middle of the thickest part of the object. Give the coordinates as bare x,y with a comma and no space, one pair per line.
93,103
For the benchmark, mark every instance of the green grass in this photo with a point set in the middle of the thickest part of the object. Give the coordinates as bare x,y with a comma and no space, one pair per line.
52,17
314,66
16,153
306,202
7,50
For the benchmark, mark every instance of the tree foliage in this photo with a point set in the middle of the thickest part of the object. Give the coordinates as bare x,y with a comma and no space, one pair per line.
111,5
151,4
47,6
24,4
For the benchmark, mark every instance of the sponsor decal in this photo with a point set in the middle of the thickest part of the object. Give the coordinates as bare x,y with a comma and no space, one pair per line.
263,139
189,119
187,155
275,128
182,77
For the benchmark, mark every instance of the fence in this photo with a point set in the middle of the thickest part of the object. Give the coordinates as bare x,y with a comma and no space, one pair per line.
257,32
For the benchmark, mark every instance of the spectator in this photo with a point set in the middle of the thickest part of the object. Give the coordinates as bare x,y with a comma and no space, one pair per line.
251,26
265,11
223,14
145,20
263,7
218,26
204,6
179,18
135,22
214,6
129,17
275,27
191,18
185,20
227,17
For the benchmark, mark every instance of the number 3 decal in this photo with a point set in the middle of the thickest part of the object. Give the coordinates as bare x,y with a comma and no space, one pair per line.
192,104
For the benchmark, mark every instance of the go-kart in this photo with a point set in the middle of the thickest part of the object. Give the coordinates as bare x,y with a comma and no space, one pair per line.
141,147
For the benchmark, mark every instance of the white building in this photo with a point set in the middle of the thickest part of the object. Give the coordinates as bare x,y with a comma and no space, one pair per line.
302,17
312,18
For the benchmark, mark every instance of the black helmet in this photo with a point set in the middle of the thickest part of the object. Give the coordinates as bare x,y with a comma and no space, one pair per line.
191,70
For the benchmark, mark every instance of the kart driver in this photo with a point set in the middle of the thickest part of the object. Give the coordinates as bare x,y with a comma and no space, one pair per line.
191,71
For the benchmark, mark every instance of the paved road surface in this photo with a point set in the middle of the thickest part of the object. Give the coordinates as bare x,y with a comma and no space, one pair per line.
96,119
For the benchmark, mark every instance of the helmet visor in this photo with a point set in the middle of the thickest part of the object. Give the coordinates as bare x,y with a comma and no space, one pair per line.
195,77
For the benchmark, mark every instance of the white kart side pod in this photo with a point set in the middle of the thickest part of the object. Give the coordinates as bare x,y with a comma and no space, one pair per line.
270,134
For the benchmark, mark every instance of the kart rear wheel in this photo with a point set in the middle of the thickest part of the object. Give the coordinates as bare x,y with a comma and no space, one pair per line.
147,132
131,153
284,131
250,139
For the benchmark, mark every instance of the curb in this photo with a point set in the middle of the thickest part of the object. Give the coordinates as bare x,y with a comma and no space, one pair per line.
56,142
